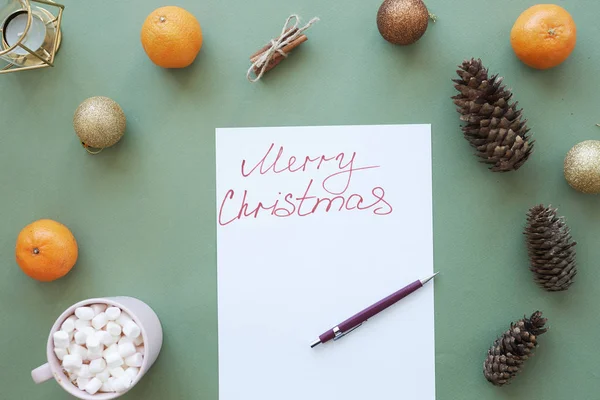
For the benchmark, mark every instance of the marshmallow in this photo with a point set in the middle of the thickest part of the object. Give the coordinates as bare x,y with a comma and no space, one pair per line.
106,387
82,382
121,384
99,321
117,372
132,372
112,313
123,319
72,361
93,344
127,380
98,308
69,324
135,360
138,340
126,349
80,337
104,375
115,339
72,376
94,368
113,328
88,330
131,330
105,338
113,360
94,354
80,324
61,339
60,353
93,386
97,366
125,339
110,383
84,372
79,350
118,386
85,313
113,348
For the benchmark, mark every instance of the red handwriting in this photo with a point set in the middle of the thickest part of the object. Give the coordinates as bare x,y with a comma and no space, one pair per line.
240,208
278,165
236,206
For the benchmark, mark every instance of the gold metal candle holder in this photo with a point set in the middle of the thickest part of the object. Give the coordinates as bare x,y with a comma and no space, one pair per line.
30,34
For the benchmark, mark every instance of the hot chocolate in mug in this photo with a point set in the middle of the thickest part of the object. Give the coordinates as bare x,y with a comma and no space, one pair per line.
142,315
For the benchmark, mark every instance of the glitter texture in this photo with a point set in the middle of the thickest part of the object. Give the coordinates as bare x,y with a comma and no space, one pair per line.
582,167
402,21
99,122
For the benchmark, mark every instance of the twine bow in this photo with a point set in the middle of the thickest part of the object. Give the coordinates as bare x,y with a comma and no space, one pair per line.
277,45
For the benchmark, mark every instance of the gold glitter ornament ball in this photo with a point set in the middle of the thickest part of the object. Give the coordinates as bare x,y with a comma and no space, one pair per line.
402,21
99,122
582,167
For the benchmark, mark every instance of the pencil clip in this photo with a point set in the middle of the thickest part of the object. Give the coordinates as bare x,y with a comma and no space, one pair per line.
339,334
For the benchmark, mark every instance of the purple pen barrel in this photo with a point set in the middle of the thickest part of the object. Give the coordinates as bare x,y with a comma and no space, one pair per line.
369,312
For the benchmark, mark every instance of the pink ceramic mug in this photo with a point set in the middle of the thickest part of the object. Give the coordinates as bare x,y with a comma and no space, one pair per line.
139,311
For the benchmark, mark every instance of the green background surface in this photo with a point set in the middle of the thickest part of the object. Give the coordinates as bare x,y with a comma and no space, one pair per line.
143,211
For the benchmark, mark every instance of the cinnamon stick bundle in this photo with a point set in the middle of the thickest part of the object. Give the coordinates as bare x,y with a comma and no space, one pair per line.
274,52
277,56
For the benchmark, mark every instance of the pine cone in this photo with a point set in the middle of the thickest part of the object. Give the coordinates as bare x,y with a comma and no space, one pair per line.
494,125
508,353
551,249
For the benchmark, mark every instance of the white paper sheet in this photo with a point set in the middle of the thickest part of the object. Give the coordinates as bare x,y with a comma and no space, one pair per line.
288,269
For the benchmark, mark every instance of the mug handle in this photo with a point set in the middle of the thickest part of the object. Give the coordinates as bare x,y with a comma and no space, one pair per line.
42,373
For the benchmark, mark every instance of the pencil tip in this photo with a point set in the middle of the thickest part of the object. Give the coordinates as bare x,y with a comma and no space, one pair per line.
315,343
424,281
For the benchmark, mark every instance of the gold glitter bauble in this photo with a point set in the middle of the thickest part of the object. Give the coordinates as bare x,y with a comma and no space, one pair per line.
582,166
402,21
99,122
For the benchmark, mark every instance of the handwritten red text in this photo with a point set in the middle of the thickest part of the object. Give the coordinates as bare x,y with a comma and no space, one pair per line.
236,205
